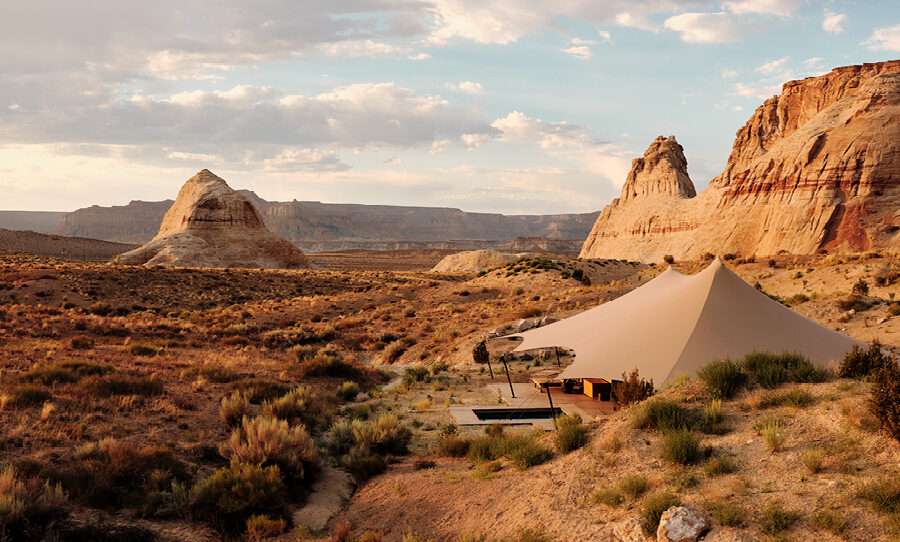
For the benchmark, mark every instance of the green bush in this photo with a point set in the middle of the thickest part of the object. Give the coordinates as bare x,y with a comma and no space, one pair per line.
653,508
662,414
723,464
634,485
722,378
632,389
347,391
454,446
234,407
29,507
116,384
258,390
26,395
770,369
831,520
609,496
571,434
300,405
884,399
142,350
340,438
681,447
385,435
529,455
861,363
883,494
269,441
775,518
773,434
64,372
231,495
727,514
813,459
363,465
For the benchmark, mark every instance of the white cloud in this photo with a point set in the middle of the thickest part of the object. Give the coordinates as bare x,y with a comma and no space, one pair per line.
469,87
473,141
728,73
366,48
420,56
771,67
633,20
769,7
580,51
604,36
705,27
738,108
814,61
439,147
884,39
762,91
832,22
519,127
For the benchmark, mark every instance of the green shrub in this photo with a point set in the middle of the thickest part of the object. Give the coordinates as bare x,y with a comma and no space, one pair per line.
860,288
231,495
883,494
454,446
723,464
340,438
29,507
727,514
26,395
80,342
482,449
234,407
609,496
681,447
775,518
300,405
799,398
363,465
722,378
486,469
142,350
773,434
884,399
258,390
261,527
347,391
861,363
712,419
571,434
116,384
632,389
213,373
328,363
831,520
813,459
653,508
67,371
386,435
270,441
770,369
634,485
529,455
662,414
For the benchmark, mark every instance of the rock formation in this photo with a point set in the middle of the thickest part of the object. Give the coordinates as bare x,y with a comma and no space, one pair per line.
211,225
474,261
817,167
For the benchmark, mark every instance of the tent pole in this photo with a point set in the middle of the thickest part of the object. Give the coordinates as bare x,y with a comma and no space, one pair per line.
491,369
508,379
552,410
556,351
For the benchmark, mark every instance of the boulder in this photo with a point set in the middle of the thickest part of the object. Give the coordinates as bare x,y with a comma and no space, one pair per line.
681,524
629,531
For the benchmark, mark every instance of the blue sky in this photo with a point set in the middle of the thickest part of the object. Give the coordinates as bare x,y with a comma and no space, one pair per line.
486,105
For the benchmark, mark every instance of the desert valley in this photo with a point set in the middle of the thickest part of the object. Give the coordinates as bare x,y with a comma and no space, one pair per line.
711,362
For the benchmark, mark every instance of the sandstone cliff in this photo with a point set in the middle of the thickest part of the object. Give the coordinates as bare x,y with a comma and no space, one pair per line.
211,225
817,167
474,261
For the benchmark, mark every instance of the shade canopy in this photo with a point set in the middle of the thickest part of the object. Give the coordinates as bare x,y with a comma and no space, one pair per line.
679,323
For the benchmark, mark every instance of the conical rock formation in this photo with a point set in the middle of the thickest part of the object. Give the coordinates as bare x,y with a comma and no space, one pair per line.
212,225
817,167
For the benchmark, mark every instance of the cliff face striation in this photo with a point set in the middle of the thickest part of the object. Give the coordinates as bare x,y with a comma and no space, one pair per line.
211,225
817,167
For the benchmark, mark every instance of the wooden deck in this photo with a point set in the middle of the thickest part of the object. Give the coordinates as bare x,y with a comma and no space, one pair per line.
528,396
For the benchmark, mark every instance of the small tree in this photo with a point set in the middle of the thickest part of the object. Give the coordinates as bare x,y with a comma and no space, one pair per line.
860,363
885,398
669,259
861,288
632,389
480,353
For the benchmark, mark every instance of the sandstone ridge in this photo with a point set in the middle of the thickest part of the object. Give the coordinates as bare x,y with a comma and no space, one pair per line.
212,225
815,168
474,261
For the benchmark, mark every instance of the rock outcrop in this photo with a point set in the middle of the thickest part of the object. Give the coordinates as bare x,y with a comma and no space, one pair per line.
211,225
474,261
817,167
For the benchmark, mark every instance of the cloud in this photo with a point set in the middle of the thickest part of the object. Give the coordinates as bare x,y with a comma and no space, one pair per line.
469,87
633,20
704,27
728,73
473,141
770,67
884,39
581,51
604,36
763,91
783,8
814,61
832,22
439,147
367,48
517,126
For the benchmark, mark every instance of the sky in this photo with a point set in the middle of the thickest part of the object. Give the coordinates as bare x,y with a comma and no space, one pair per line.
503,106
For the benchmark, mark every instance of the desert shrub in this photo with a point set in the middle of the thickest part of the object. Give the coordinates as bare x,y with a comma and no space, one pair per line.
480,353
117,384
234,407
269,441
393,351
662,414
860,288
775,518
26,395
711,421
609,496
632,389
67,371
28,506
884,399
385,435
213,373
529,455
722,378
681,447
81,342
142,350
328,363
633,485
261,527
770,369
860,362
571,434
482,449
416,373
653,508
719,465
883,494
300,405
773,434
831,520
669,259
258,390
233,494
813,459
347,391
726,513
363,464
340,439
454,446
486,469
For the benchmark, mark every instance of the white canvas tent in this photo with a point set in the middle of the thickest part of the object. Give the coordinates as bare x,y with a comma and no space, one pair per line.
679,323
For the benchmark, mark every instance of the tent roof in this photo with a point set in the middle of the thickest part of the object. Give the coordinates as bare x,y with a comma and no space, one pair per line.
678,323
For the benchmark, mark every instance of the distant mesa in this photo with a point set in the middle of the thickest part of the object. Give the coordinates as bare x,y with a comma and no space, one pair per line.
212,225
815,168
475,261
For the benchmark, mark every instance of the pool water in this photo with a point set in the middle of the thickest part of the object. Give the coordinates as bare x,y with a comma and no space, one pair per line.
500,414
